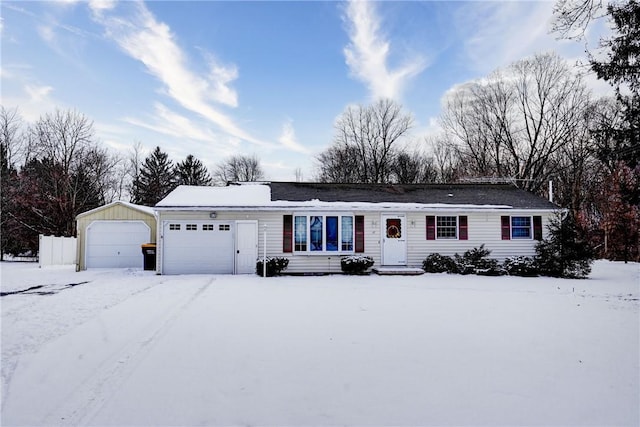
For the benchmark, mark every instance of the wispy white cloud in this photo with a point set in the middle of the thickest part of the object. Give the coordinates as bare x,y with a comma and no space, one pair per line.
502,32
496,34
99,6
288,138
37,93
168,122
367,54
151,42
47,33
31,97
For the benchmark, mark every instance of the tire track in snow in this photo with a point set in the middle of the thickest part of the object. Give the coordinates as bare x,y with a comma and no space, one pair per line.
86,401
54,320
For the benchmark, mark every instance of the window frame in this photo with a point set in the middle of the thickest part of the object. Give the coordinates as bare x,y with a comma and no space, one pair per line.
455,227
530,227
461,227
307,223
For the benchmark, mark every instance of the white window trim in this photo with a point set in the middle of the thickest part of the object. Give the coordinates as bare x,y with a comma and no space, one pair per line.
324,251
511,227
457,217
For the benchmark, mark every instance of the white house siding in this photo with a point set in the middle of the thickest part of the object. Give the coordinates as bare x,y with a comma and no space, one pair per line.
298,263
330,263
483,228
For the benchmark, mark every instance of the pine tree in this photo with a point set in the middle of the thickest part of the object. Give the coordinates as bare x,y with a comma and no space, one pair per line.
191,171
565,252
620,68
623,50
155,180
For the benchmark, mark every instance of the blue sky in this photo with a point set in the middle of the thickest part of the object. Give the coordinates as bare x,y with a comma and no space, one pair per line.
216,78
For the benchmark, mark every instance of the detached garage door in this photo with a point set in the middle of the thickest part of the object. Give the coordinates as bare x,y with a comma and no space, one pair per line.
200,247
116,244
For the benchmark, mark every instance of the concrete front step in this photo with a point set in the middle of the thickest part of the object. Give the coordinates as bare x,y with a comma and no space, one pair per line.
398,271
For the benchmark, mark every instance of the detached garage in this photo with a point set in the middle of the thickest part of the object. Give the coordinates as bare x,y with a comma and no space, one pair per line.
111,236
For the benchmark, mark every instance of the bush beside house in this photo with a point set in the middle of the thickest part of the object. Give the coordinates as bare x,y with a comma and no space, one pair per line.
275,266
356,264
564,253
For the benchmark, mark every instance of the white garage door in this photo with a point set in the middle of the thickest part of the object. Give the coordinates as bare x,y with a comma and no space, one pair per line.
116,244
200,247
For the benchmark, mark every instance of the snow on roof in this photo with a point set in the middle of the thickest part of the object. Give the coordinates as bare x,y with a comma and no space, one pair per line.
234,195
308,197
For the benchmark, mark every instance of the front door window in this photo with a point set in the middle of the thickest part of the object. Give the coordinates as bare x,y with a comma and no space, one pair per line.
394,228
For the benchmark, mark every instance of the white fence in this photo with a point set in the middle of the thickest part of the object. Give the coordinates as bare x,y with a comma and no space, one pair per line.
57,251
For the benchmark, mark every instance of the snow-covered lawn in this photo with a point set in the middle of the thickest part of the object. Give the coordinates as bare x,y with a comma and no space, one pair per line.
131,348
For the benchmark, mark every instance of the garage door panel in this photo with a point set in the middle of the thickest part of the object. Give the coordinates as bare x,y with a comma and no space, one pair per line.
206,250
116,250
116,244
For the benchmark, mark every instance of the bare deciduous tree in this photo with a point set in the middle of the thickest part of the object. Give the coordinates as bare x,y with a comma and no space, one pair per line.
11,137
413,168
444,155
571,17
240,168
364,143
67,169
514,122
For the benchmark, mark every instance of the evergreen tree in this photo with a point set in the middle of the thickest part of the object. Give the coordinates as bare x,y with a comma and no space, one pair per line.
623,51
155,180
191,171
620,68
565,252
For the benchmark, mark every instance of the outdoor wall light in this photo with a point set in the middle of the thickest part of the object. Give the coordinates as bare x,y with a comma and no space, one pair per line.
212,215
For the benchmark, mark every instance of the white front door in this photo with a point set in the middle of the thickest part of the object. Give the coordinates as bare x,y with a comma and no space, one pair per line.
246,246
394,240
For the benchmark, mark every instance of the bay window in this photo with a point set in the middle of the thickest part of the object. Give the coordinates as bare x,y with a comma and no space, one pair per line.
323,233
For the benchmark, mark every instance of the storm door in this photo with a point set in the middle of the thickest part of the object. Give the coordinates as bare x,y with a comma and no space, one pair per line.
394,240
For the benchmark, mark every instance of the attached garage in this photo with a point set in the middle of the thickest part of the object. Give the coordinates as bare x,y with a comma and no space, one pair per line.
200,247
111,236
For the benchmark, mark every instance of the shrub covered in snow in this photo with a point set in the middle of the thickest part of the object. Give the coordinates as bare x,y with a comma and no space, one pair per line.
477,261
356,264
436,263
523,266
275,265
473,261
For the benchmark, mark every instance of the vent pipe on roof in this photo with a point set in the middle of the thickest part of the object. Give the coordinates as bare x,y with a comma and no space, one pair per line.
551,191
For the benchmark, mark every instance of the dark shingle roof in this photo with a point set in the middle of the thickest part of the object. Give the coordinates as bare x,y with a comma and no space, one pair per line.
472,194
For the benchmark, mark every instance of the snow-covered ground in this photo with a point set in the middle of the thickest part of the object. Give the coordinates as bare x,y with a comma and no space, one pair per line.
124,347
